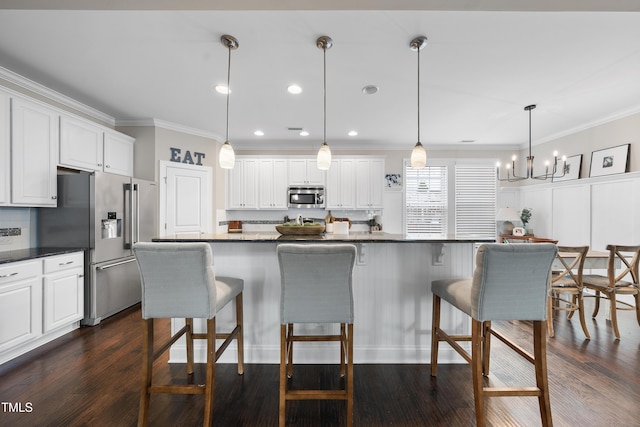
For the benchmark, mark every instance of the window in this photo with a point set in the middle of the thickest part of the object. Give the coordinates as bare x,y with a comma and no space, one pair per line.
451,198
475,201
426,200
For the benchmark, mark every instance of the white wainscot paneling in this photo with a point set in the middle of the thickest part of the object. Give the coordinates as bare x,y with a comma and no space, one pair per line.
392,302
614,214
539,200
571,215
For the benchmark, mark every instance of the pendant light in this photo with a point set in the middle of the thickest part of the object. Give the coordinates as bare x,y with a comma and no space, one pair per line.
324,153
511,176
227,157
418,154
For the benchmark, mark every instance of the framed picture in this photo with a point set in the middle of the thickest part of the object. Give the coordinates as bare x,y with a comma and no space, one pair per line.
393,181
571,169
610,161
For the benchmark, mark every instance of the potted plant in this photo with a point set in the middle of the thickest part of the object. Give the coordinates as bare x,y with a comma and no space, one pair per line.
525,217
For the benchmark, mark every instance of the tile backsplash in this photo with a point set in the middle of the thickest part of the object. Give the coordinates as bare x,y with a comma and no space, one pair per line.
15,228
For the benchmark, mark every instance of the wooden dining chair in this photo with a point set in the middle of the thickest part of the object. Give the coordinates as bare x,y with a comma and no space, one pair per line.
624,282
316,287
510,282
565,293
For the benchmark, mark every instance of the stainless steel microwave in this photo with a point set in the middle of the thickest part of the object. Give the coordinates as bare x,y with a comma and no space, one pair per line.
306,197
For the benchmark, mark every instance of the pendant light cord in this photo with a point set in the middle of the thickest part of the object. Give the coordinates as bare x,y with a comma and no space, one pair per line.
418,94
324,61
228,89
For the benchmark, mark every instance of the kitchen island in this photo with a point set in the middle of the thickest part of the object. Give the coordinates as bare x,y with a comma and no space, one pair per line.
391,291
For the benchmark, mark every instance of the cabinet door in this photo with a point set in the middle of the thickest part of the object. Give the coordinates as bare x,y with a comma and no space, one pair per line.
297,172
332,193
63,298
362,183
272,182
347,184
34,146
376,180
242,191
63,295
20,303
315,176
5,151
118,154
80,144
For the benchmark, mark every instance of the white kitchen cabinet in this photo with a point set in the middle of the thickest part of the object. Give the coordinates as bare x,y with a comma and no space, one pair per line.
20,303
272,178
40,300
340,191
242,184
34,153
5,149
305,172
118,153
63,295
369,183
81,144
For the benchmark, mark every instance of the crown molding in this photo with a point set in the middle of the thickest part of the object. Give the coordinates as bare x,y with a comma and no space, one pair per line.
50,94
170,126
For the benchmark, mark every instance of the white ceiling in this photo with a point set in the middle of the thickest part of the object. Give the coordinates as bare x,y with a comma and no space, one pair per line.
478,71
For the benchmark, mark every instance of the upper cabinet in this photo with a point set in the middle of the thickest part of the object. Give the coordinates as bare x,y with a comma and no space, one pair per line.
369,183
305,172
34,153
341,185
118,153
84,145
5,149
242,183
272,176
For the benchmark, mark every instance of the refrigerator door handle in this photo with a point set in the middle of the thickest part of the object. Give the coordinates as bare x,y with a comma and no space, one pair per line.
128,216
115,264
137,214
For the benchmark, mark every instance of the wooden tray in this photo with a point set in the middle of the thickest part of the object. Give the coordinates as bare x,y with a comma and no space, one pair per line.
300,229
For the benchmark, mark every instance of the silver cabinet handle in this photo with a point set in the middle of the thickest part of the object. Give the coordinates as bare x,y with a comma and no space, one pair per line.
65,263
8,275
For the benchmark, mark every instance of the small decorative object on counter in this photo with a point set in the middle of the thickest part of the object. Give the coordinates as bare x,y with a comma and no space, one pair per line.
525,217
300,229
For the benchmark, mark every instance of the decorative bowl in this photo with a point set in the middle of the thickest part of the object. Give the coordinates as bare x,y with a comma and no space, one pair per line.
300,229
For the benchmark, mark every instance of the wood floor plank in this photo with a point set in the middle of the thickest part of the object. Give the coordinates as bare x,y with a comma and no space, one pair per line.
90,377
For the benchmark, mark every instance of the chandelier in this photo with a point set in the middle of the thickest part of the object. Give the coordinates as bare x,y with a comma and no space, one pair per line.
511,168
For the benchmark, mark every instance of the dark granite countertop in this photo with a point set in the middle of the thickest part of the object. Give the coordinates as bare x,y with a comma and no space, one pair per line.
32,253
357,237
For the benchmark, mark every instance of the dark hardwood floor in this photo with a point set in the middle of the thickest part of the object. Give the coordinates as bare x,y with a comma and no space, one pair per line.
90,377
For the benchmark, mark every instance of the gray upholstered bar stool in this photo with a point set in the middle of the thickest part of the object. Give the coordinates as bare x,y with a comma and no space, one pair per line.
316,287
510,282
178,281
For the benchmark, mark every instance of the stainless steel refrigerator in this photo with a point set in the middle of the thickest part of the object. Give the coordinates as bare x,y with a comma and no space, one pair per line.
106,214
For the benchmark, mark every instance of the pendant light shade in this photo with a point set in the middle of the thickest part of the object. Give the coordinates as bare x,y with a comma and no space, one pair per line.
324,153
227,157
418,154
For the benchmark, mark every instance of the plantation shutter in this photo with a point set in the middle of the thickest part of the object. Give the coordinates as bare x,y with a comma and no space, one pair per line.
426,200
475,201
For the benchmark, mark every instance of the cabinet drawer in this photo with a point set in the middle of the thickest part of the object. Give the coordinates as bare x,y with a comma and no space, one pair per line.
63,262
15,271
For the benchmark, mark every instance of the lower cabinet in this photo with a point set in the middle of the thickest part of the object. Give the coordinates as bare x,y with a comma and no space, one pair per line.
40,300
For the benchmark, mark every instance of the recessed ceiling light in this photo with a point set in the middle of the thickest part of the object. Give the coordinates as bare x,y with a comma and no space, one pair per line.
370,89
294,89
304,133
222,89
352,133
258,133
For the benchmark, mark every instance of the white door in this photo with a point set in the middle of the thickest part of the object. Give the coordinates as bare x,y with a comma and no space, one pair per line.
185,198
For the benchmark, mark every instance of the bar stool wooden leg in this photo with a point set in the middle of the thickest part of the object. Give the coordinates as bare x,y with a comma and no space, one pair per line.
349,385
540,355
343,349
283,374
476,368
486,347
550,330
290,350
435,326
147,364
240,336
189,338
210,375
